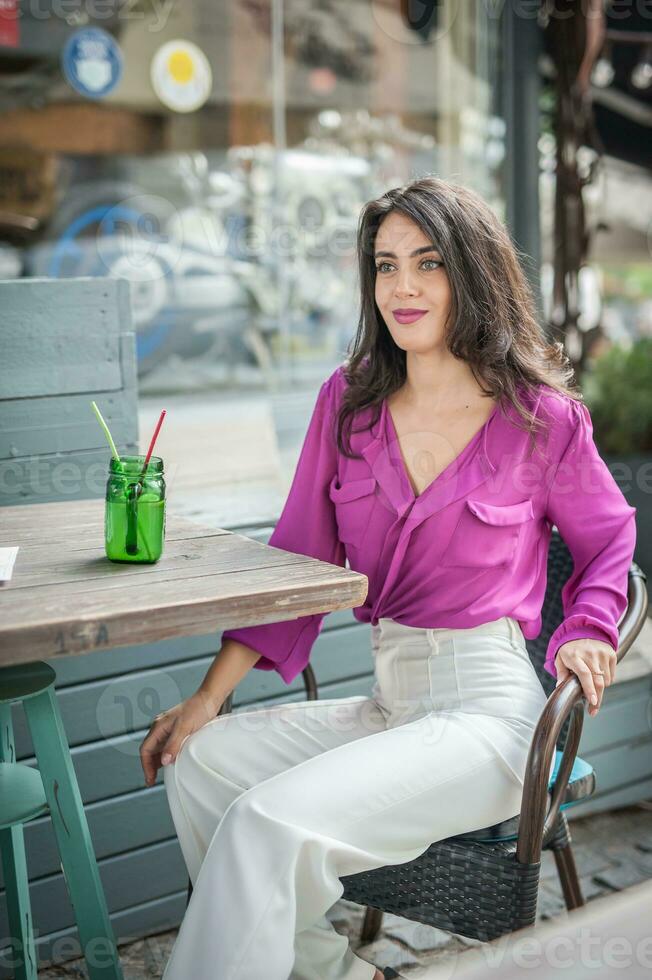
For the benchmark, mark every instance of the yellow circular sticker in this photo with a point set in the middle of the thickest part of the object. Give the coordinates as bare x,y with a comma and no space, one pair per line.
181,76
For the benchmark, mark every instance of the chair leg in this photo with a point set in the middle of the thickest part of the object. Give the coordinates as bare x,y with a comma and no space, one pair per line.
373,919
570,882
19,912
73,836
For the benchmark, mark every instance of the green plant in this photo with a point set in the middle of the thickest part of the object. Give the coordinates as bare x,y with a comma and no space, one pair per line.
618,394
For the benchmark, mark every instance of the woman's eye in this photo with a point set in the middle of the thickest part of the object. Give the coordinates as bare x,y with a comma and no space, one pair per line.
433,263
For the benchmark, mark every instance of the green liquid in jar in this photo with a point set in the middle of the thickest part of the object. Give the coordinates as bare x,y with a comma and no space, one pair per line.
150,530
134,521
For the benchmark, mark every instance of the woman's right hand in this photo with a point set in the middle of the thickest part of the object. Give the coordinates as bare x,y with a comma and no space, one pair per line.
169,729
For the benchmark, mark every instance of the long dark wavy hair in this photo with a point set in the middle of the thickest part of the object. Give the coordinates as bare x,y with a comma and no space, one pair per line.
491,324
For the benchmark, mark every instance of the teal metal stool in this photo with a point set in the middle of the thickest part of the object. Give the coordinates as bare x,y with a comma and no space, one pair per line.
27,793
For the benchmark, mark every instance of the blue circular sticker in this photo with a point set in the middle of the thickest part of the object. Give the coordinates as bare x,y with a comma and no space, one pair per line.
92,62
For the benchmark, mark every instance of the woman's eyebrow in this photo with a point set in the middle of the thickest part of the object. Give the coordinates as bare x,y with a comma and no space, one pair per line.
417,251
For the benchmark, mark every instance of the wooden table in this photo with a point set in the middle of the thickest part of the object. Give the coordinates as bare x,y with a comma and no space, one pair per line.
66,597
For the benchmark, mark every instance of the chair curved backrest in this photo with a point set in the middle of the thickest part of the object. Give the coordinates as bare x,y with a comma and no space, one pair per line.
560,567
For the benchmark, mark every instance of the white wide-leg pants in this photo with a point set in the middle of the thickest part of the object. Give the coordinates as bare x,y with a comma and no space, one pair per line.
273,805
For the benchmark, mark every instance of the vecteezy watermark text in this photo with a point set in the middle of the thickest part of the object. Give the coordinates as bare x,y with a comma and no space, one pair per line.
153,16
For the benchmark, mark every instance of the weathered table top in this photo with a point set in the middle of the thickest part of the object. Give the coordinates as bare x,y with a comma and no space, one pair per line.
66,597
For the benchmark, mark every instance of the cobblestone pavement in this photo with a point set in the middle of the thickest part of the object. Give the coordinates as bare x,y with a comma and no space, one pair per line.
613,850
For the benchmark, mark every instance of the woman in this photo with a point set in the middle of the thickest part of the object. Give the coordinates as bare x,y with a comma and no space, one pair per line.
469,446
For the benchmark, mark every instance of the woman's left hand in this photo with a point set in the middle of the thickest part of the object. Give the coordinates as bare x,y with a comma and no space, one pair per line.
594,662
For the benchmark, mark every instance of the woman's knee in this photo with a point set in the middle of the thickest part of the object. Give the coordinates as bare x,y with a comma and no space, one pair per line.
202,747
203,769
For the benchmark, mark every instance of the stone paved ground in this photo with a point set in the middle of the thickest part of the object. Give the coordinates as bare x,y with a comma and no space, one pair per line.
613,850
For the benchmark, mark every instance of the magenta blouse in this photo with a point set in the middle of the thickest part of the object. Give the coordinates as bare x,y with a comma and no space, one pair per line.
473,546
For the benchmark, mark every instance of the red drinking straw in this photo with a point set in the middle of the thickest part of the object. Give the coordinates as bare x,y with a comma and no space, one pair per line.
151,445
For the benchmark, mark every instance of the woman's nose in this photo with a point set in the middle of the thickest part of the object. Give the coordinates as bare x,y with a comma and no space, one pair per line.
405,287
404,291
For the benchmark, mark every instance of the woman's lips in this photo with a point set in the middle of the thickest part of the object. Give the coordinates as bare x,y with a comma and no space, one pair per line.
409,317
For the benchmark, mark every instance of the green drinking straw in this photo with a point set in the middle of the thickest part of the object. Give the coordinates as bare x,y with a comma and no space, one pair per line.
106,431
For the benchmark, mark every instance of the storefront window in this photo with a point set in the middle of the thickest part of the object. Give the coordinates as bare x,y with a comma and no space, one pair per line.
217,155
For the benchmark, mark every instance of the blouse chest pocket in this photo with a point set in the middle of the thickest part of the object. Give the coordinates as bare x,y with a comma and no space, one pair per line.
354,501
487,534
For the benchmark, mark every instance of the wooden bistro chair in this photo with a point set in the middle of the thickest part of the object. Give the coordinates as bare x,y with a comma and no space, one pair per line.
484,883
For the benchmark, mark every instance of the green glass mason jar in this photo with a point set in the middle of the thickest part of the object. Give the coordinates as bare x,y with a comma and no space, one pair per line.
134,512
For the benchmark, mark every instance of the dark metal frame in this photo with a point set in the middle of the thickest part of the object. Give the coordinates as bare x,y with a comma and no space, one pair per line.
519,92
454,884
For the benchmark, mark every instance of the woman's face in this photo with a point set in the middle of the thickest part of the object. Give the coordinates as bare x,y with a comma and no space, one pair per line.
407,281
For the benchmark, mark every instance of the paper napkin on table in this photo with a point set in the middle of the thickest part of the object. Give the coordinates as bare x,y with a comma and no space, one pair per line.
7,559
